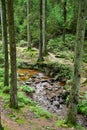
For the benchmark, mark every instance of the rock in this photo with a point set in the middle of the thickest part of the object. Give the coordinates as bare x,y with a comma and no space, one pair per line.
41,75
56,103
27,83
50,89
21,75
61,101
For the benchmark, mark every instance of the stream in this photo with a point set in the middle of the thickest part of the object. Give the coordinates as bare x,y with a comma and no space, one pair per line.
49,93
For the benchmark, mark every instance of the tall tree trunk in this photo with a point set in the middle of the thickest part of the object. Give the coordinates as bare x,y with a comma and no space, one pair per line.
1,128
5,42
64,16
2,28
74,95
13,83
28,25
40,35
44,26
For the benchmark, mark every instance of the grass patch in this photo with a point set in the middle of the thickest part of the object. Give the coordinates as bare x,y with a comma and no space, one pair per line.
40,112
82,106
15,118
62,123
27,89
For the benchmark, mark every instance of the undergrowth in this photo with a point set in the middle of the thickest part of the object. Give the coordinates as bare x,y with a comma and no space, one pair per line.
82,105
62,123
33,106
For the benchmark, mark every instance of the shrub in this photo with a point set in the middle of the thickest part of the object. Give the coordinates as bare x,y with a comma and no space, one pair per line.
57,44
60,71
82,105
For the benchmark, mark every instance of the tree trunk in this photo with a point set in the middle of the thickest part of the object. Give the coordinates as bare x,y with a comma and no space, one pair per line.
28,25
40,35
5,43
2,28
1,128
13,82
44,26
64,16
74,95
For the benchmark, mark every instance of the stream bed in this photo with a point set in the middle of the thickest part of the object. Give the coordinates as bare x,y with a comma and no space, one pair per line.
49,93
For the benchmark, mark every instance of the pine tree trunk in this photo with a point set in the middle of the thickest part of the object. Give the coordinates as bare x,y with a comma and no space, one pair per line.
44,26
74,95
1,128
5,43
28,25
64,16
40,35
2,28
13,82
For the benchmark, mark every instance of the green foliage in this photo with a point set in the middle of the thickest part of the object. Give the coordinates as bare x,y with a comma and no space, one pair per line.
60,71
61,123
67,99
28,89
1,72
40,112
22,99
54,19
1,77
85,57
5,96
1,58
6,89
17,119
82,106
56,45
22,43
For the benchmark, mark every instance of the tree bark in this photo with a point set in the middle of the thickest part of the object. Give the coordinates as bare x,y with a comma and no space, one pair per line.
13,82
44,27
2,28
40,34
1,128
64,16
74,95
5,43
28,25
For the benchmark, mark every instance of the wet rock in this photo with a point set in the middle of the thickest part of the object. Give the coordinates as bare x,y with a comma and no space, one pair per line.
44,80
50,89
34,76
41,75
27,83
61,101
21,75
56,103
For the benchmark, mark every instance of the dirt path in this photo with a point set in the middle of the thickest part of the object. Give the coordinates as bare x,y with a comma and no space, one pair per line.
36,124
30,121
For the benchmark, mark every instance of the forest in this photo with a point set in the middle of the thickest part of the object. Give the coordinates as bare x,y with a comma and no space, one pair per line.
43,64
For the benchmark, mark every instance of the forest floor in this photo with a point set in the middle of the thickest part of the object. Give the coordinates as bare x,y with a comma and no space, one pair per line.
24,119
28,122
